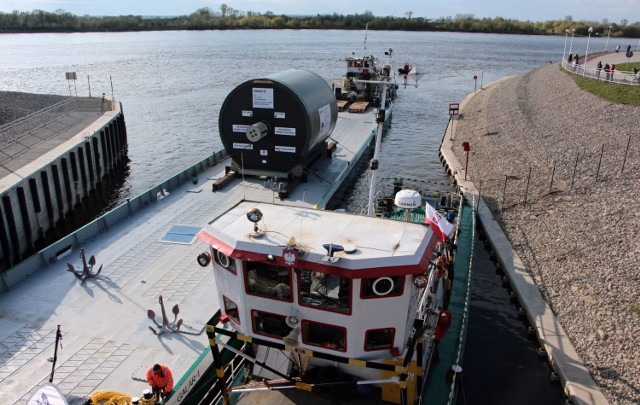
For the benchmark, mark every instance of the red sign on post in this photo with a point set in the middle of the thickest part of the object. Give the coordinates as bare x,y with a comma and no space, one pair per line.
454,108
466,147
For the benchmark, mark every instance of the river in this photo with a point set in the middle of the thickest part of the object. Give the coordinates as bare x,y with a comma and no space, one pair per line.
172,85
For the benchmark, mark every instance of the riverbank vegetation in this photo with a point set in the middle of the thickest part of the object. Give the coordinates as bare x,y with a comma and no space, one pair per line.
229,18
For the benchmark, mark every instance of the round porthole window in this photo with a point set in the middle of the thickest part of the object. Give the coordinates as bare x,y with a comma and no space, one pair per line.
223,259
383,286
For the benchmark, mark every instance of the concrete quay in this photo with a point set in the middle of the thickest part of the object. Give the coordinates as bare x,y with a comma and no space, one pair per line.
54,151
578,384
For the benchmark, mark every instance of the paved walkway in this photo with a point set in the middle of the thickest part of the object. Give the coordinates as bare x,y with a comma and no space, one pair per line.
588,68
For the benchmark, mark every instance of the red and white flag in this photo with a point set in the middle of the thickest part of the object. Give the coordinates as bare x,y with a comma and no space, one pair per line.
438,223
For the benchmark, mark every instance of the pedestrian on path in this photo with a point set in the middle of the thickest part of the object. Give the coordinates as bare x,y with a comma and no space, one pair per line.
598,69
613,68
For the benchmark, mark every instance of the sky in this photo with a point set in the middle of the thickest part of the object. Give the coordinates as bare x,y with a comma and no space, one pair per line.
613,11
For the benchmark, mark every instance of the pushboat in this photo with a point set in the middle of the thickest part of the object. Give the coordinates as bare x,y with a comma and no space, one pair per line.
338,304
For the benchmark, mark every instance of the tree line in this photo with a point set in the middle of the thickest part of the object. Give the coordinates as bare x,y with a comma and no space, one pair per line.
227,18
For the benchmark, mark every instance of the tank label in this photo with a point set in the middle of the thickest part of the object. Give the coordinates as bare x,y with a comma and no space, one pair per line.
279,115
262,98
247,146
264,152
240,128
325,120
285,131
287,149
247,113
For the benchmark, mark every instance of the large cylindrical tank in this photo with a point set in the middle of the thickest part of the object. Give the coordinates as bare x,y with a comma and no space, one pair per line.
273,124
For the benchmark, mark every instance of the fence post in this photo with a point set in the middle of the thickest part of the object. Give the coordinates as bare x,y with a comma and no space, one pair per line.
504,189
526,192
599,162
553,172
625,155
575,167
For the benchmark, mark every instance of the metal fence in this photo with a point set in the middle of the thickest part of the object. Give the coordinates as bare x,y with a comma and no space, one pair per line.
572,170
617,76
32,123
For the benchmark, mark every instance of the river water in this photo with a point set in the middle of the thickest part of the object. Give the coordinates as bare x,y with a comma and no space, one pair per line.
172,85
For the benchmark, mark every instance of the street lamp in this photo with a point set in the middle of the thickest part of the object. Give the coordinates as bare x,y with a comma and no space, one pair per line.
573,31
586,54
564,51
608,35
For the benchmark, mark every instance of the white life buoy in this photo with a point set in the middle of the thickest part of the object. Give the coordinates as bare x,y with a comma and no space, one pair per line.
379,286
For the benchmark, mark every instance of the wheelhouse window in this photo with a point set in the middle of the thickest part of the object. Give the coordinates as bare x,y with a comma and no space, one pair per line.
231,309
268,280
225,261
268,324
378,339
325,291
325,336
380,287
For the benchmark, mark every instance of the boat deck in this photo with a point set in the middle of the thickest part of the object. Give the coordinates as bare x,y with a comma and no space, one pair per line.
107,343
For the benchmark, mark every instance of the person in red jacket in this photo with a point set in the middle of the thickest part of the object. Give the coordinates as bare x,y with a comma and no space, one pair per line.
160,379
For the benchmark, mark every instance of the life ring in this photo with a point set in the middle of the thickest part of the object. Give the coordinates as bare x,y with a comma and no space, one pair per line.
379,290
204,259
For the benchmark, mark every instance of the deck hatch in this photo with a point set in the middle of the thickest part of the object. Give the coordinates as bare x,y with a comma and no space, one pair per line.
181,234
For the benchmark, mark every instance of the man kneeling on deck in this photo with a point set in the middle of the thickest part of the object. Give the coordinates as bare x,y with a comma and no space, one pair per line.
160,379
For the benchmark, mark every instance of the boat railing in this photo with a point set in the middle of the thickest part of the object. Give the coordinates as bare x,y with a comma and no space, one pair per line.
467,302
62,248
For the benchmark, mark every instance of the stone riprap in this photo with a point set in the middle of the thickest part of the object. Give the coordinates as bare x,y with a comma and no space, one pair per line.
560,168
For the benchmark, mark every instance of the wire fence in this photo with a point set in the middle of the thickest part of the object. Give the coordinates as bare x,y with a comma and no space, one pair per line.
576,171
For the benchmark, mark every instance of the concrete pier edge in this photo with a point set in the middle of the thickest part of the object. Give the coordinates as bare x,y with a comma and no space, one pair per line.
578,384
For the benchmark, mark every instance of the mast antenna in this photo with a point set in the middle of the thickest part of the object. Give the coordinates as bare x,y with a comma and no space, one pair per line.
366,29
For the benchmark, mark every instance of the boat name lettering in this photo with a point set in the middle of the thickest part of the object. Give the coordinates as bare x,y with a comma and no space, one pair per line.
285,131
188,384
262,98
280,115
247,146
247,113
240,128
287,149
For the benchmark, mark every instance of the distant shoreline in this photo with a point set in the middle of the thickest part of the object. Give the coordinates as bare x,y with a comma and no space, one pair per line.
227,18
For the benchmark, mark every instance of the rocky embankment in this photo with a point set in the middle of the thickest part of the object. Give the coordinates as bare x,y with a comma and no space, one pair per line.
560,170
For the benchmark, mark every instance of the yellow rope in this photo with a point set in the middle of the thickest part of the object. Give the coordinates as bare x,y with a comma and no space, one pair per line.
111,398
150,401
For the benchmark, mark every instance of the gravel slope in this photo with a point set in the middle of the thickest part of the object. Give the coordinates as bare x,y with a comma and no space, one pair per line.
579,230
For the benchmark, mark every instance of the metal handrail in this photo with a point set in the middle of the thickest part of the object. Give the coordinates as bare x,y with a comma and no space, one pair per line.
618,76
